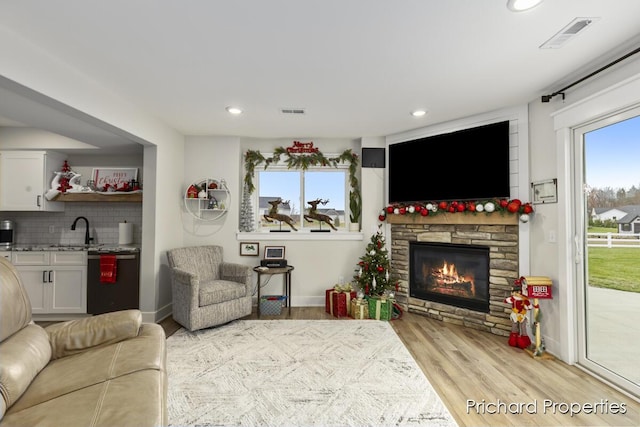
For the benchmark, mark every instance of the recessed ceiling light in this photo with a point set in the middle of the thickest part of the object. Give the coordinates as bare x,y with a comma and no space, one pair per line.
522,5
418,113
234,110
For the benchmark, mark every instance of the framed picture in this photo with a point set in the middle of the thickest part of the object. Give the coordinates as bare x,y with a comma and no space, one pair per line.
274,252
249,248
544,191
113,177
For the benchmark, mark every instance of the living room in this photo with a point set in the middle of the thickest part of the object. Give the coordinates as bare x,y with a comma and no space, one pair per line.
173,159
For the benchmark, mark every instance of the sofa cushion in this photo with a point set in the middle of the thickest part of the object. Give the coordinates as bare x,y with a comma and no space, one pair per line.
78,335
135,400
22,356
147,351
217,291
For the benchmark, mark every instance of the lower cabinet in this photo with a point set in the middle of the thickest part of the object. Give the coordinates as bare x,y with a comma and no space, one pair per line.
55,281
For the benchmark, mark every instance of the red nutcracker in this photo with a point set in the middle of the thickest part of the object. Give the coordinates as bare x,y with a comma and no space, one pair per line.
520,305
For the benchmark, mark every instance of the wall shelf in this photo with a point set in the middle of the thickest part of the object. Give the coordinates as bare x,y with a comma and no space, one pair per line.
96,197
210,204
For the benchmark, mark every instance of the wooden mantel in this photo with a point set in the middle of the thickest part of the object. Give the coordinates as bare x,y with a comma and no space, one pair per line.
482,218
95,197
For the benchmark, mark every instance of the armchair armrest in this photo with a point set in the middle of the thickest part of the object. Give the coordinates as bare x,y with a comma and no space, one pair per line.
75,336
237,273
183,276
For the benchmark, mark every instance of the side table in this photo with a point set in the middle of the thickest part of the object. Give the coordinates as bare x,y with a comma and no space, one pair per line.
286,271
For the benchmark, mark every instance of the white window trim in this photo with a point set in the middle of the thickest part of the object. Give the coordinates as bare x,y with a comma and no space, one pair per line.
303,233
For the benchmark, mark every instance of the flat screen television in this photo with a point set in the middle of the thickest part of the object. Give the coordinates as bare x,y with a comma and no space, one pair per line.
470,164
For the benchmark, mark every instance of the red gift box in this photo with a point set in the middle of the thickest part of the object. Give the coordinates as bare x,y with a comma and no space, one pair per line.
339,303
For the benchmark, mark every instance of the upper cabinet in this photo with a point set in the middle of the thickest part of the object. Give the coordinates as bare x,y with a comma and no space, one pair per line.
25,178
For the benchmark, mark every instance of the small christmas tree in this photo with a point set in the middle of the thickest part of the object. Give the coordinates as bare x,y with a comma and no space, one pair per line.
373,276
246,211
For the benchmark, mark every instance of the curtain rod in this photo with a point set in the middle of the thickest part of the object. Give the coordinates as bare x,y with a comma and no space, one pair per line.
547,98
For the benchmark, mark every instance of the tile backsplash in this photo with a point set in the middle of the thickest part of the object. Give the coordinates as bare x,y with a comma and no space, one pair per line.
46,228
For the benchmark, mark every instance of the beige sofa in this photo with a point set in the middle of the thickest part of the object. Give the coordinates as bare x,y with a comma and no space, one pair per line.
106,370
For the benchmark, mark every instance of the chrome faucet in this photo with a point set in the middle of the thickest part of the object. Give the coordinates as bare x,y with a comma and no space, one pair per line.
87,239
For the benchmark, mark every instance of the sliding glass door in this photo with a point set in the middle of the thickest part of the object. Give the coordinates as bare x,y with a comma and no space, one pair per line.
607,165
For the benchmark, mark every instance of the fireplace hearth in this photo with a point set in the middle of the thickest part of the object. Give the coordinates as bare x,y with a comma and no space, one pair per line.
454,274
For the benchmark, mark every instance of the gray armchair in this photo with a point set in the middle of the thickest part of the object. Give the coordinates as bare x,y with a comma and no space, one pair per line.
206,290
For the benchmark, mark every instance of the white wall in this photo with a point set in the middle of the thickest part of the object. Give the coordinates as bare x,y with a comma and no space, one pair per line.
318,264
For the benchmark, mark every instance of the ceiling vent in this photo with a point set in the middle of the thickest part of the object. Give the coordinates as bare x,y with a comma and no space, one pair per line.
294,111
563,36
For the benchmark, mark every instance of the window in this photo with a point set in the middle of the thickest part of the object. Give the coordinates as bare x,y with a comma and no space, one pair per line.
296,189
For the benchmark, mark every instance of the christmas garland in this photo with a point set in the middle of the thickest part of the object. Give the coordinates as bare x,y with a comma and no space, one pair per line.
504,206
252,158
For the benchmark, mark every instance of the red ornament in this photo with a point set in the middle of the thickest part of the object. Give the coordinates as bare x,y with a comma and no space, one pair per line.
390,209
443,205
451,209
527,208
471,207
380,268
403,210
503,203
418,209
424,212
461,207
513,207
381,218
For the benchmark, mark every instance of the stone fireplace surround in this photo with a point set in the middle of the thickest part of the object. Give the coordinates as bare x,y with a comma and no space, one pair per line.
497,231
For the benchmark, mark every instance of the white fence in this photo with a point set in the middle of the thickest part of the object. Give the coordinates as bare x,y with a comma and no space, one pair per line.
613,240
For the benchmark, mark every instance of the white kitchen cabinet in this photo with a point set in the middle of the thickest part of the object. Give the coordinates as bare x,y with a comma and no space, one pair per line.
25,177
56,281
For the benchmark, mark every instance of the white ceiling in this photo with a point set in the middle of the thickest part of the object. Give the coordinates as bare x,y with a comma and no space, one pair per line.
358,67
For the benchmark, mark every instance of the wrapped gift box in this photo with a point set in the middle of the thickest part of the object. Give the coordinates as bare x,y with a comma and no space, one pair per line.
359,309
338,303
380,308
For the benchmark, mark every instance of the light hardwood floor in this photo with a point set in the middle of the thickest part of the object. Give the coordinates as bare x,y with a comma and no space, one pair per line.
463,364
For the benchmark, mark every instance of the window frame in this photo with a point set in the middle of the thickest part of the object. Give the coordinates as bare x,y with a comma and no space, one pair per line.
299,217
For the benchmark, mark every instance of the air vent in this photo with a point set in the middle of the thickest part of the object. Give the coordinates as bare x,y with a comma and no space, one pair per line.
294,111
563,36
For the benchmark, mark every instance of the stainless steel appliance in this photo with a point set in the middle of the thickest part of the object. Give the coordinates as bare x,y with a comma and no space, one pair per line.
7,234
124,293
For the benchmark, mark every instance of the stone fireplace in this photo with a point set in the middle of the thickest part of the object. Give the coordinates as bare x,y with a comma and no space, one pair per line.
429,290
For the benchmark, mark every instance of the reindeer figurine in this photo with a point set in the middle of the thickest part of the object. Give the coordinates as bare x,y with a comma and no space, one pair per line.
273,213
314,215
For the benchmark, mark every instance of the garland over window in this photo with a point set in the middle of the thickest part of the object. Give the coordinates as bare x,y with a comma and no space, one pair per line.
312,157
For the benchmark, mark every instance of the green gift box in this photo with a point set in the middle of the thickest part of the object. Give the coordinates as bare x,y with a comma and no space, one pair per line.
380,308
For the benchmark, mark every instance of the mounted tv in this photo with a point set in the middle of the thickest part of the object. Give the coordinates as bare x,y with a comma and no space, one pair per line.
470,164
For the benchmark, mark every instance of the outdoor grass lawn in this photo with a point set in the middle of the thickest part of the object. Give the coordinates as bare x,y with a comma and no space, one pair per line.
615,268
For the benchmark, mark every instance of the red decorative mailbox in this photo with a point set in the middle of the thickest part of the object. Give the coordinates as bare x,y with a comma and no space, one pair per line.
536,287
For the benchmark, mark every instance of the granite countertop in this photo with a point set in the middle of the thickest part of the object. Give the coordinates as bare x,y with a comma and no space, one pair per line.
63,247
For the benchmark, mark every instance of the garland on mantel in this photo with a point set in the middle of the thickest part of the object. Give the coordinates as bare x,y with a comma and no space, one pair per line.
504,206
253,158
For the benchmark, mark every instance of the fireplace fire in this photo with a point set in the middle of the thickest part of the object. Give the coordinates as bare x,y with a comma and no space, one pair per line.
451,274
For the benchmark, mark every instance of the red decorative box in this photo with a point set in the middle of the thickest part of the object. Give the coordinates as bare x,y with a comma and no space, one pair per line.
536,287
338,303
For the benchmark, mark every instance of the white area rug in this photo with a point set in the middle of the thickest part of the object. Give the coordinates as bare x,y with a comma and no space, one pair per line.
298,373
